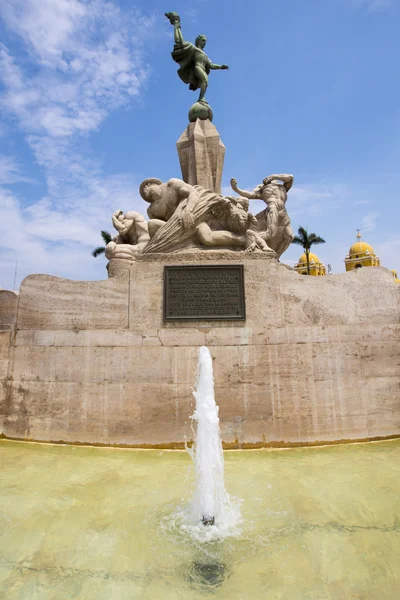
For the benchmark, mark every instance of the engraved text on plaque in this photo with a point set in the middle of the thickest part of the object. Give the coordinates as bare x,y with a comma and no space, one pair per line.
208,292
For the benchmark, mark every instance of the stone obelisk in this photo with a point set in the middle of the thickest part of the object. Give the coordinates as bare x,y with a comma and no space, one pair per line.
201,155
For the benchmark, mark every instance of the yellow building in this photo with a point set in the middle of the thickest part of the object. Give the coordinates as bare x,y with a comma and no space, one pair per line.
361,254
316,266
394,273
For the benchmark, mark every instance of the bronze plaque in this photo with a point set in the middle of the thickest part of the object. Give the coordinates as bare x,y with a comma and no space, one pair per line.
204,292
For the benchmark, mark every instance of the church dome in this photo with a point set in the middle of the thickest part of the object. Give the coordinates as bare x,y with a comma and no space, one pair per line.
316,266
361,254
361,248
311,256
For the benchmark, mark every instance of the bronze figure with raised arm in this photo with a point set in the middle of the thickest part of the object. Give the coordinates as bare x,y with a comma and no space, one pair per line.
194,63
273,223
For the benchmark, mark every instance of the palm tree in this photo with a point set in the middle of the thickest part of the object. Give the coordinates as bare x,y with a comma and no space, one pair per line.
101,249
305,239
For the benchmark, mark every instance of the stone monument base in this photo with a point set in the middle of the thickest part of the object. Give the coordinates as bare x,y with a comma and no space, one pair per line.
316,361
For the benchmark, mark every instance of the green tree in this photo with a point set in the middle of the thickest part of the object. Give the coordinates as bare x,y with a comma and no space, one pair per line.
305,239
101,249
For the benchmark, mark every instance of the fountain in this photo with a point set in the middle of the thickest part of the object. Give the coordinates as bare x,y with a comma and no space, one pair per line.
110,363
211,504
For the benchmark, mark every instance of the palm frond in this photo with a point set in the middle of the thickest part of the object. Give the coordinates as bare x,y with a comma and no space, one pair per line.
98,250
302,232
106,237
297,240
316,239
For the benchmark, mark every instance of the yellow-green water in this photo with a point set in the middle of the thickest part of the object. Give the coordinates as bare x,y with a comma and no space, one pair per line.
95,523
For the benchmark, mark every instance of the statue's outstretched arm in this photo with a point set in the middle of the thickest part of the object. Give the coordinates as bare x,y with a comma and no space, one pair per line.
286,179
215,67
250,195
175,20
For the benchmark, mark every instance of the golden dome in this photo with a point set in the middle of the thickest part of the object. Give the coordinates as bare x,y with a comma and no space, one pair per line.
311,256
361,254
360,248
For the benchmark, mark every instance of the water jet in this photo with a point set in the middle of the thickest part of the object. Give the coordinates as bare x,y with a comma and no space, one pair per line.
211,503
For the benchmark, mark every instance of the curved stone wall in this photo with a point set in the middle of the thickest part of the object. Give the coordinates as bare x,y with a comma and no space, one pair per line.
316,361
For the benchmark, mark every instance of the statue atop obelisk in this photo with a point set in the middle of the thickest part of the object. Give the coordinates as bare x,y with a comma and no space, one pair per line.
195,66
201,152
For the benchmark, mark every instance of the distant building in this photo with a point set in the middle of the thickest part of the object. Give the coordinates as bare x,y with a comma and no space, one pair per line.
360,255
317,268
394,273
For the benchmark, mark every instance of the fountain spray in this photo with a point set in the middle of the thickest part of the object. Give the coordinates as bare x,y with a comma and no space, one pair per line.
210,498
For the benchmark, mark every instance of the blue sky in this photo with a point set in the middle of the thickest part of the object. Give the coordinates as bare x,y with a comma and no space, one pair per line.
90,104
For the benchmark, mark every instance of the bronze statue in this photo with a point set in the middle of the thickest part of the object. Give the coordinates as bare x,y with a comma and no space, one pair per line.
194,63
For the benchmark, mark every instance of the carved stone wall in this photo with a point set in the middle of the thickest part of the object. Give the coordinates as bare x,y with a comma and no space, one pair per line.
318,359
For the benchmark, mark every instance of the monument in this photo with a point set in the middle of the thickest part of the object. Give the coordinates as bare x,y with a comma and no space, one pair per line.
297,360
190,214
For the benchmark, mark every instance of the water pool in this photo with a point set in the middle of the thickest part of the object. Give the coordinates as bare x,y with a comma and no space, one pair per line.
98,523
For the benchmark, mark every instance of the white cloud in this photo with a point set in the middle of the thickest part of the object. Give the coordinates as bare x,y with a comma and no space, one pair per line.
44,239
306,198
49,26
10,172
191,14
368,222
389,253
77,61
83,63
361,202
316,198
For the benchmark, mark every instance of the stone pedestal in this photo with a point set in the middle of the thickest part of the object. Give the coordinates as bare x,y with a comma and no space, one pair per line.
201,155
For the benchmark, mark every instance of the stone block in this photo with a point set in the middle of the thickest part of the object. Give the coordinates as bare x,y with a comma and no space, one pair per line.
228,336
304,335
48,302
340,299
151,339
184,364
380,359
34,363
5,339
335,361
78,338
381,395
182,337
95,364
391,332
48,338
2,407
3,369
8,309
24,337
368,332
